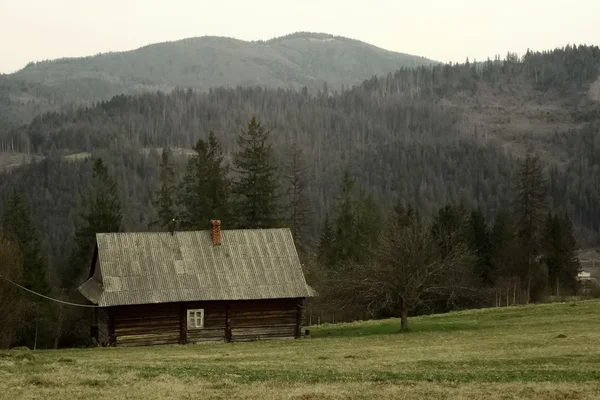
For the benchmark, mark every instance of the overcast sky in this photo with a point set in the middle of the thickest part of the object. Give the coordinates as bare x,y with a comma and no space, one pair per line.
443,30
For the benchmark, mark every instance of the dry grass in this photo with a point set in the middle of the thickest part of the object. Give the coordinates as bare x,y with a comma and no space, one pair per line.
510,353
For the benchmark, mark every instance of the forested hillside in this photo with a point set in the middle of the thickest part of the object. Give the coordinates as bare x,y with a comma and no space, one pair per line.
429,135
441,140
292,61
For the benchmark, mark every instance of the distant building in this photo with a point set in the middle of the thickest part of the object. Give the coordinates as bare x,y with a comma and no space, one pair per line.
189,287
584,276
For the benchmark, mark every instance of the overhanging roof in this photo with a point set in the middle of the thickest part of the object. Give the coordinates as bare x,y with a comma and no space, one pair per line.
157,267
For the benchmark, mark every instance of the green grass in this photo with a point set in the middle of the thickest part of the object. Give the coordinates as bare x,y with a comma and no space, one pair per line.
542,352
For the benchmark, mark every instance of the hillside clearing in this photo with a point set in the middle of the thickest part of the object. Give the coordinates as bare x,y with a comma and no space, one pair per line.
534,352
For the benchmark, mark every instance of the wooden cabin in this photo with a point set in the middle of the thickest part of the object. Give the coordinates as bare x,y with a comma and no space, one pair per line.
189,287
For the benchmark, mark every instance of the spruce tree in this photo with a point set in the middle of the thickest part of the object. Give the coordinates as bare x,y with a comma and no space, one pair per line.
501,246
346,231
479,242
101,214
403,214
298,206
18,227
326,243
570,260
204,191
530,209
449,227
165,195
256,187
560,253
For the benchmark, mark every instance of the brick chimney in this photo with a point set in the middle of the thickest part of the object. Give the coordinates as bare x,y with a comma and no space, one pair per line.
215,232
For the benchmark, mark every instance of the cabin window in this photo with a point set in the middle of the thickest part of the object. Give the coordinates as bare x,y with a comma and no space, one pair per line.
196,319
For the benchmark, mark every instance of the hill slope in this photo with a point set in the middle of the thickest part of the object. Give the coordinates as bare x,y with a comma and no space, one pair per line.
429,136
531,352
293,61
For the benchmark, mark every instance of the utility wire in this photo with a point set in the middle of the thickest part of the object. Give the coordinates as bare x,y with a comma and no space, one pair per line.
50,298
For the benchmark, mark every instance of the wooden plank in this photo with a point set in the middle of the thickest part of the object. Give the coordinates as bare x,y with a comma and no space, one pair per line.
111,327
298,331
147,343
182,324
227,323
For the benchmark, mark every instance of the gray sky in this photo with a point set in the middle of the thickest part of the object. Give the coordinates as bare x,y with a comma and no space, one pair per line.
444,30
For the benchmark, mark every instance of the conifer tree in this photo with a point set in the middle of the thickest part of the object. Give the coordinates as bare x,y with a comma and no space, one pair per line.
501,247
205,187
479,242
326,243
403,214
165,201
530,208
102,213
345,222
256,188
18,227
449,227
560,253
13,306
570,260
298,206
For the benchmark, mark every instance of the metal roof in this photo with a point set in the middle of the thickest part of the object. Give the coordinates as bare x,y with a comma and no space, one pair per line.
160,267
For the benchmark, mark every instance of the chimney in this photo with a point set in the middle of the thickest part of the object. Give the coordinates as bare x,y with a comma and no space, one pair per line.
216,231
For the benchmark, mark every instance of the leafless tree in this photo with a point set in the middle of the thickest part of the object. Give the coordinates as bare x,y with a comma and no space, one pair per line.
407,271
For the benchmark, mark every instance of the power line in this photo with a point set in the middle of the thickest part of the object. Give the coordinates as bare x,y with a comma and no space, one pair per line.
50,298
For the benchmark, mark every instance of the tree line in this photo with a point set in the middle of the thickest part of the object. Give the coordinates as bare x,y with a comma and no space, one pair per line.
245,195
401,261
389,263
390,138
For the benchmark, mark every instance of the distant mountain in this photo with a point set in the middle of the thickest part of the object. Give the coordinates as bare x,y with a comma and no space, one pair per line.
292,61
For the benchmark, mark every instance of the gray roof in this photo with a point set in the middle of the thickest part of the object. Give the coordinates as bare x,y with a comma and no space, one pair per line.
157,267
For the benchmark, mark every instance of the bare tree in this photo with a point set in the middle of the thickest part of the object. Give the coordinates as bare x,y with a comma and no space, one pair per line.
407,271
12,302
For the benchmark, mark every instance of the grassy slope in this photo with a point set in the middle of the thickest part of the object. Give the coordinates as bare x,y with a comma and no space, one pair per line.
290,61
509,353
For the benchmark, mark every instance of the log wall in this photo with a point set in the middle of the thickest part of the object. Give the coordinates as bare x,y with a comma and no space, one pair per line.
236,321
264,319
215,313
147,324
103,326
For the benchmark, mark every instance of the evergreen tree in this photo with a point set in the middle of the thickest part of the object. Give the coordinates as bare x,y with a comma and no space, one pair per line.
358,225
501,247
18,227
326,243
560,253
570,260
346,232
165,201
13,305
404,214
369,227
102,213
449,227
298,207
256,188
205,187
530,207
479,241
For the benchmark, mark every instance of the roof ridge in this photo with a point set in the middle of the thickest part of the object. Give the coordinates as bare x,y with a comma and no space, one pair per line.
195,231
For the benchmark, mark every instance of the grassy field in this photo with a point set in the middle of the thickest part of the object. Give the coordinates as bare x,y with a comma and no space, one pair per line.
529,352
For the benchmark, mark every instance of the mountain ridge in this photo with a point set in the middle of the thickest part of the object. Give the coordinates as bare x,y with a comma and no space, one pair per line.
290,61
293,61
